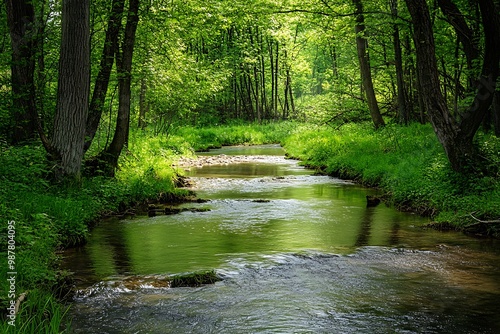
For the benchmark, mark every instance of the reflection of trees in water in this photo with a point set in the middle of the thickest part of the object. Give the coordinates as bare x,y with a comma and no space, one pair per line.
394,235
364,234
365,227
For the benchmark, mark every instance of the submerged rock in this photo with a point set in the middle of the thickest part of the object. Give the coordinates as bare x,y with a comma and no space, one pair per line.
372,201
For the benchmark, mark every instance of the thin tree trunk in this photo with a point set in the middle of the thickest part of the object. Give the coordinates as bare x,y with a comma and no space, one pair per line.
102,81
124,66
404,115
496,113
364,62
73,87
143,104
276,76
262,62
273,77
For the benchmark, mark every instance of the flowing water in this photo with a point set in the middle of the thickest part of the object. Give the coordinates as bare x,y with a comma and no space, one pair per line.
297,253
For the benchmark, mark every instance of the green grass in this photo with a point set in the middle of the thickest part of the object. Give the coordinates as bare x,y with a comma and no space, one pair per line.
409,165
39,313
242,134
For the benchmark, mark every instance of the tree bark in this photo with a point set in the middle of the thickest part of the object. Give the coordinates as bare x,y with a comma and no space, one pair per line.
21,20
124,66
102,81
455,136
495,114
73,87
364,63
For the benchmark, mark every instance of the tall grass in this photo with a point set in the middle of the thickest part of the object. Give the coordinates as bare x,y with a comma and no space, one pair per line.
39,313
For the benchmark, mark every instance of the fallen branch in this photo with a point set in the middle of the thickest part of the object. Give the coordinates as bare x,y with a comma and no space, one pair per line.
485,221
19,300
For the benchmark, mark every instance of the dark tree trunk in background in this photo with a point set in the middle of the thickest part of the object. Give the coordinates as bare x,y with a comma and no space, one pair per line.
124,66
73,87
102,81
496,113
364,63
21,20
455,136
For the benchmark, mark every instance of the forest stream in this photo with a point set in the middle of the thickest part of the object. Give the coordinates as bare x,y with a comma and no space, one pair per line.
296,253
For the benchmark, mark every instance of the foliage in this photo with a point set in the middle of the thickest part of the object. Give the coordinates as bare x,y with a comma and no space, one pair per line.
205,138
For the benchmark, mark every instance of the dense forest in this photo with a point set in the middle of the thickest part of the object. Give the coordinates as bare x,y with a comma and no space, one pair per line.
163,63
82,81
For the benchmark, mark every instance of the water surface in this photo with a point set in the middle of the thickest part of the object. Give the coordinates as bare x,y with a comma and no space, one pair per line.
298,253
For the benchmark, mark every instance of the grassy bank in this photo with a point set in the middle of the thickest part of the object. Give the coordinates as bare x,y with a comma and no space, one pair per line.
409,165
49,217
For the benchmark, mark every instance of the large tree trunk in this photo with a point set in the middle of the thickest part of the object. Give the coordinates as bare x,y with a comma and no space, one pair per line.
73,87
364,63
455,136
124,65
102,81
21,20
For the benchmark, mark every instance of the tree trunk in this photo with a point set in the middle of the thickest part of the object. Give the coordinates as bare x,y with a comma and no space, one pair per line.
143,105
124,67
73,87
455,136
496,113
404,114
364,63
21,20
102,81
464,34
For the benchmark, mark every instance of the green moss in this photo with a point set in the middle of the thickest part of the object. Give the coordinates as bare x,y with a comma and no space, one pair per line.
194,279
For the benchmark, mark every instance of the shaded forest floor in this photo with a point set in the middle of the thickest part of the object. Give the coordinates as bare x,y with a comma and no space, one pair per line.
406,163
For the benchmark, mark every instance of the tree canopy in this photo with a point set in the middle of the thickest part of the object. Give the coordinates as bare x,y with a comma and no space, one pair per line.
163,63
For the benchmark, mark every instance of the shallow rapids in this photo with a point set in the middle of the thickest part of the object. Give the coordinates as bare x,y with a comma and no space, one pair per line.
297,253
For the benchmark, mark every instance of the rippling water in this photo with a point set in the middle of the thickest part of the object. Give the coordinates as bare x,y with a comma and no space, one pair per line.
297,253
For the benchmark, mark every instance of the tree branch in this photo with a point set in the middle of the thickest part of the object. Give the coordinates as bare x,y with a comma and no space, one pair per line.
484,221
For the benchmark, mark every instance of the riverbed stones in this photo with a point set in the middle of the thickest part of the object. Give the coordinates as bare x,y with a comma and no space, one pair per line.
221,159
